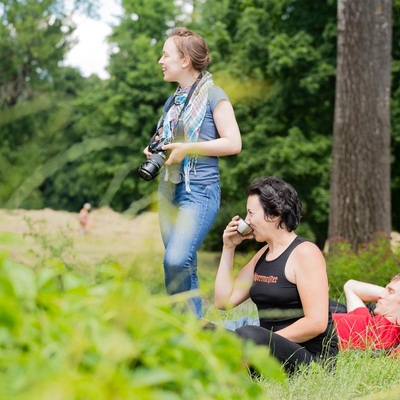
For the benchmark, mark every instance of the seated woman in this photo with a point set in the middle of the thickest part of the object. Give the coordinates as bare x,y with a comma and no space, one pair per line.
286,279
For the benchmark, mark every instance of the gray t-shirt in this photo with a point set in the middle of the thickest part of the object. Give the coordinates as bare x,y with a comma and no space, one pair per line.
207,170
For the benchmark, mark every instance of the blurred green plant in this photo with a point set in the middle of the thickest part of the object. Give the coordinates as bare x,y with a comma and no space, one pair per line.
112,339
54,164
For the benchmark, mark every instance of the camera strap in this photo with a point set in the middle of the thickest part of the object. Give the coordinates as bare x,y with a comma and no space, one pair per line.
192,89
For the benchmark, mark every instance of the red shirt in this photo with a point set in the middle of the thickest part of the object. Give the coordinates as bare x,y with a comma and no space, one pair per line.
359,329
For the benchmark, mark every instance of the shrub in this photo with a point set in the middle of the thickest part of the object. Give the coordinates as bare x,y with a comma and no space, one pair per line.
64,337
375,262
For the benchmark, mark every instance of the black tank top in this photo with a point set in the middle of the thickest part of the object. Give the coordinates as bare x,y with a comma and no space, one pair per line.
278,300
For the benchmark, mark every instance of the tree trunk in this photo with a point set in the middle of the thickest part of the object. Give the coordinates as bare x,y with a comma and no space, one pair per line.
360,204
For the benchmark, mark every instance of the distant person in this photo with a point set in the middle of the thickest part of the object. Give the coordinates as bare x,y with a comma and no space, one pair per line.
199,121
85,220
362,328
286,279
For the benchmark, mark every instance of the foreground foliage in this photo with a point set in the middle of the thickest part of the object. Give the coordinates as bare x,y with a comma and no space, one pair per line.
64,337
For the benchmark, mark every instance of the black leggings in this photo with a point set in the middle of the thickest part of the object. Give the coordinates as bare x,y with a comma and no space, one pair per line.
289,353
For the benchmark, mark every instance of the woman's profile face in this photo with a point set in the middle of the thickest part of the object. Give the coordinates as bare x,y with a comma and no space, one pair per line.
171,61
263,226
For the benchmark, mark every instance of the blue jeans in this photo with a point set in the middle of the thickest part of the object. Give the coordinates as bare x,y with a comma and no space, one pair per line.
185,220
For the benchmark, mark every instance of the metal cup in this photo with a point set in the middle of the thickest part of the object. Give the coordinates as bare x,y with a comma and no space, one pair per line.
244,228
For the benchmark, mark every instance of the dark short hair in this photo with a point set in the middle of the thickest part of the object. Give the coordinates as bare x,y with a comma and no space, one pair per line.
192,45
278,199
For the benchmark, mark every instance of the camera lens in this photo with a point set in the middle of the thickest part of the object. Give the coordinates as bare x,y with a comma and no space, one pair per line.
145,174
150,168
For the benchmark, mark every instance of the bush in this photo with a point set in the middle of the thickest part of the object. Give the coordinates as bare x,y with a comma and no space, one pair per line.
375,262
64,337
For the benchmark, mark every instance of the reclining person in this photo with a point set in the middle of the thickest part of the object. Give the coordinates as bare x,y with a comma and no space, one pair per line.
361,328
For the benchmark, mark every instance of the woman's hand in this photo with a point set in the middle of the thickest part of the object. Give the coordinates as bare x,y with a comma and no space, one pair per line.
231,238
231,291
177,152
146,151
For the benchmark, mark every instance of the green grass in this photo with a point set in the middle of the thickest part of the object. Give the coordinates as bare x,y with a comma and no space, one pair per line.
357,374
9,238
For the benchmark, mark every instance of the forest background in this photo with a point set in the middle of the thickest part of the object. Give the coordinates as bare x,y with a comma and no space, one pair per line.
66,139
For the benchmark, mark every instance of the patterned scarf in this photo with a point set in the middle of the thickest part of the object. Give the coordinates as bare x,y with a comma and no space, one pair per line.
192,118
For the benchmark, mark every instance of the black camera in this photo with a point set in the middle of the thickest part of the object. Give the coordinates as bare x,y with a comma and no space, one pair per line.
151,167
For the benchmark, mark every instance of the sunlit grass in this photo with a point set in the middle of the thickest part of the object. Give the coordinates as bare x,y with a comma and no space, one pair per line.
357,374
10,239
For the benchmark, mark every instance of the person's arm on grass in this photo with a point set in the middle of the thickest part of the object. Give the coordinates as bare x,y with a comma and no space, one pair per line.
357,293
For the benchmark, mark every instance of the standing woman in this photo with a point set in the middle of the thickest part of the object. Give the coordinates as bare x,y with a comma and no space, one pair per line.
286,279
200,122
